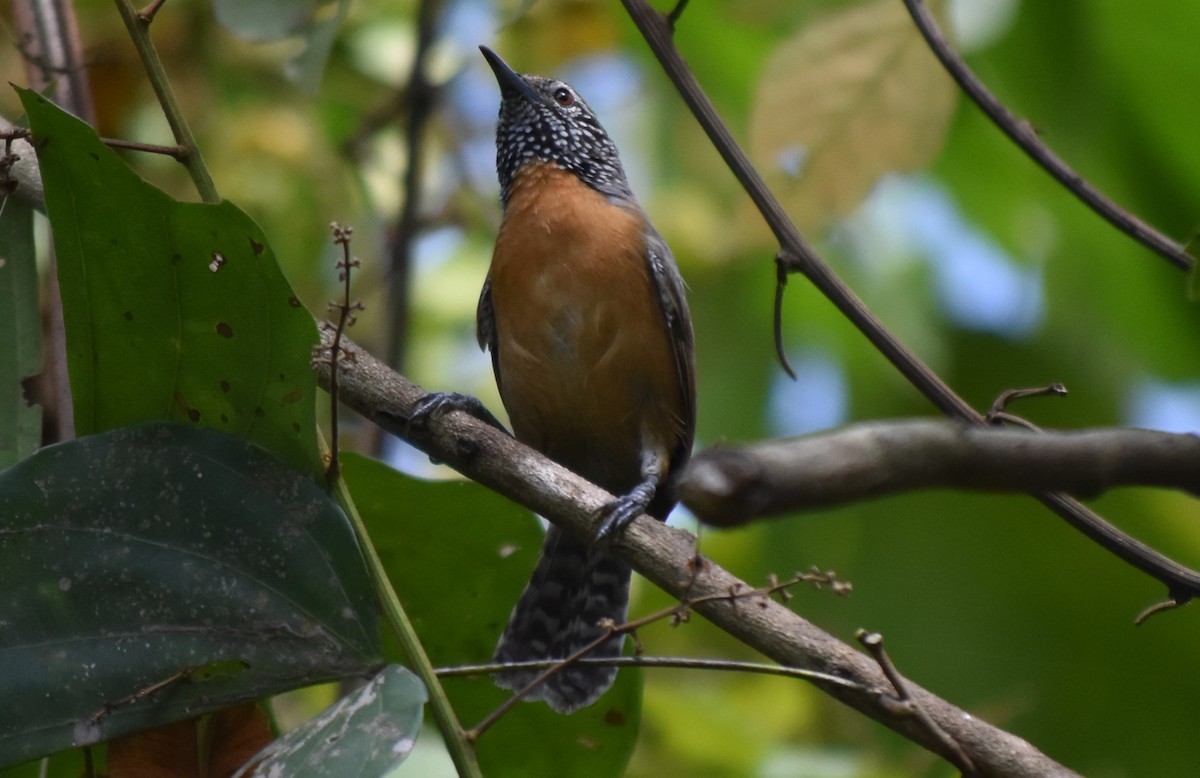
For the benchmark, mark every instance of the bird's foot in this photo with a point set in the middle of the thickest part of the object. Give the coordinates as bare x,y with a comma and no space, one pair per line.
436,404
616,515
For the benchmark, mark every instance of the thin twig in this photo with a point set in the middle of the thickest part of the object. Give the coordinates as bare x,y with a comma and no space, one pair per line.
873,642
178,153
139,33
1156,608
800,257
653,662
345,318
676,13
1008,396
677,613
998,413
1027,138
781,278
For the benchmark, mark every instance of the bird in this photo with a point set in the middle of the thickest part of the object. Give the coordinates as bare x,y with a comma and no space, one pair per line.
586,318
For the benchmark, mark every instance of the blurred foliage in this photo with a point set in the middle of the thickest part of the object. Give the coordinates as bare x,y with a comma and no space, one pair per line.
991,602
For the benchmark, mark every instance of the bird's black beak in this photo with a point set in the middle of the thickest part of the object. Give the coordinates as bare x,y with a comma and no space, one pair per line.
510,81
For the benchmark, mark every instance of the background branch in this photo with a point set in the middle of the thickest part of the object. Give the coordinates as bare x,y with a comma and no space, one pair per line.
730,486
799,256
667,557
1026,137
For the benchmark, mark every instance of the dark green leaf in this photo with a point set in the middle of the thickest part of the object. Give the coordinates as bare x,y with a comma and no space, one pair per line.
459,556
157,572
173,310
20,347
365,734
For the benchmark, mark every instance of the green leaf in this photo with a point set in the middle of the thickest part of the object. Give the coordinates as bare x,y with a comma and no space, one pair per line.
367,733
270,20
459,556
173,310
157,572
307,67
20,348
263,20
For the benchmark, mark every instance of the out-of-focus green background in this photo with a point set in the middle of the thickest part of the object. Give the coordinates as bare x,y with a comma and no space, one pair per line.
982,264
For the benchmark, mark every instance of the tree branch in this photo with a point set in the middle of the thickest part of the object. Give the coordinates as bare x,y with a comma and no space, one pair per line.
138,27
731,486
1026,137
667,557
1182,583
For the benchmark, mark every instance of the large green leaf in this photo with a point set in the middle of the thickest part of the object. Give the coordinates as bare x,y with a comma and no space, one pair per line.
20,348
157,572
173,310
459,556
363,735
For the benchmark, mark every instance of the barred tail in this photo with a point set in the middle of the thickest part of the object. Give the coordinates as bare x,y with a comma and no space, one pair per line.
574,586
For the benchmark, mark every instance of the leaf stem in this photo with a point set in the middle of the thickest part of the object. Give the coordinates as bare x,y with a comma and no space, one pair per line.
139,32
461,751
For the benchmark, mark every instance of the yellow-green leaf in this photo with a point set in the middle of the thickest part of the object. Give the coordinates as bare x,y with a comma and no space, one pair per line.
851,97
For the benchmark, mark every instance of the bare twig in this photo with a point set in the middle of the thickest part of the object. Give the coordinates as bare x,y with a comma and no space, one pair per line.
1157,608
178,153
1011,395
727,486
677,613
1027,138
998,413
800,257
781,277
345,309
652,662
139,33
666,557
873,642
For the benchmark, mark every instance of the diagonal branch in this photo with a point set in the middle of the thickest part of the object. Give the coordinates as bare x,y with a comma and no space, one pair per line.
1181,582
1024,135
667,558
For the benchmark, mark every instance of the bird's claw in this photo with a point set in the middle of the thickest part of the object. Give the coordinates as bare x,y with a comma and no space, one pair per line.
436,404
618,514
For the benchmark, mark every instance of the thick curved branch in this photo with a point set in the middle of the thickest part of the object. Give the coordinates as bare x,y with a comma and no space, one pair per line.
1026,137
730,486
667,557
798,256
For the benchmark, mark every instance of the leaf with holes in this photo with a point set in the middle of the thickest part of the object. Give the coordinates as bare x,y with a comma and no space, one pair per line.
174,311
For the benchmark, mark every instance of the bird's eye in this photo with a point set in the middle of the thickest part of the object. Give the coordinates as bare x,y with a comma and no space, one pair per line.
564,97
